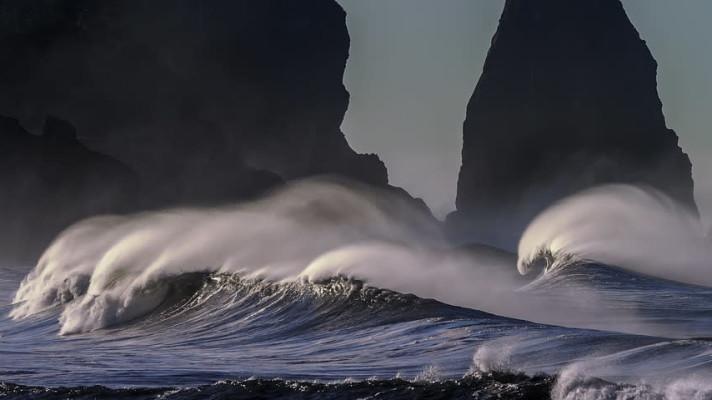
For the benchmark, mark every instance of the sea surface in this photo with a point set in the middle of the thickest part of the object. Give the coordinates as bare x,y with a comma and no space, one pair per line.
218,335
300,297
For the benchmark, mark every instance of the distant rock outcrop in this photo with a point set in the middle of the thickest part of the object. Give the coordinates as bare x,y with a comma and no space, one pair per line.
188,93
207,101
567,100
51,180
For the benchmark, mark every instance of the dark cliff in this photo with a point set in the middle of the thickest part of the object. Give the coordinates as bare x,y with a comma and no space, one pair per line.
186,92
567,99
207,101
50,180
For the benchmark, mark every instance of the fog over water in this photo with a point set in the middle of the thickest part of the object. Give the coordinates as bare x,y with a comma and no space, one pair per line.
414,65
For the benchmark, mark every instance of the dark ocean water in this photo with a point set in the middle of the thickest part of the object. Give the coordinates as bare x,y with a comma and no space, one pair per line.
222,336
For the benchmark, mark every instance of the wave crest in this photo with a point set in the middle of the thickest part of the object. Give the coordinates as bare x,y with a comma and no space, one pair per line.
112,269
636,228
109,270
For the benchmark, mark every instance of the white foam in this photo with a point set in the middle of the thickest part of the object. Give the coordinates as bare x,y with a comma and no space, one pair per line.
112,269
636,228
109,270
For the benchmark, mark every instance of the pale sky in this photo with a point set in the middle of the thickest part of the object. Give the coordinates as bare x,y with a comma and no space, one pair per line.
414,65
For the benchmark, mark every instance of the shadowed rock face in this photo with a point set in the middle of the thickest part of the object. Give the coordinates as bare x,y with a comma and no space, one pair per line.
567,100
51,180
207,101
188,93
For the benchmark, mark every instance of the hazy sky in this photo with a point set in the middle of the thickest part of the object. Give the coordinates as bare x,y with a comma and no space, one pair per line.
414,65
680,36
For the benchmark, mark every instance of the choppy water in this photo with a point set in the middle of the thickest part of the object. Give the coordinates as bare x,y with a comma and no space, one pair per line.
342,324
340,338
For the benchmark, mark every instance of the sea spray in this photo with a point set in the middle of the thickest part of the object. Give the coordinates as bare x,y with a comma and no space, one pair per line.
289,287
574,382
108,270
636,228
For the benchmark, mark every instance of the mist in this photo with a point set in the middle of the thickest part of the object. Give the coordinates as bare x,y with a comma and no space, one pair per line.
108,270
635,228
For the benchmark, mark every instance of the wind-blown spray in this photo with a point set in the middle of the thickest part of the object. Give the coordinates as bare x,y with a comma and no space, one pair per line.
631,227
112,269
109,270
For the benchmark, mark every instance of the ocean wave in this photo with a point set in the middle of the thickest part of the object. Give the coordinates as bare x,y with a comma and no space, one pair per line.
322,282
340,328
632,227
573,384
109,270
568,385
220,302
491,385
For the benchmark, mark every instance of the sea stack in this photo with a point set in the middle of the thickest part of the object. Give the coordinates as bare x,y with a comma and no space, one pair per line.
208,102
194,96
567,100
51,180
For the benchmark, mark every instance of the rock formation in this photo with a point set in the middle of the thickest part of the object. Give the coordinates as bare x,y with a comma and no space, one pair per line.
567,99
207,101
188,93
51,180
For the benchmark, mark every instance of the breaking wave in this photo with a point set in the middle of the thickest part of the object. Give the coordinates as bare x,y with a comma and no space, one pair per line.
500,385
636,228
109,270
328,290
